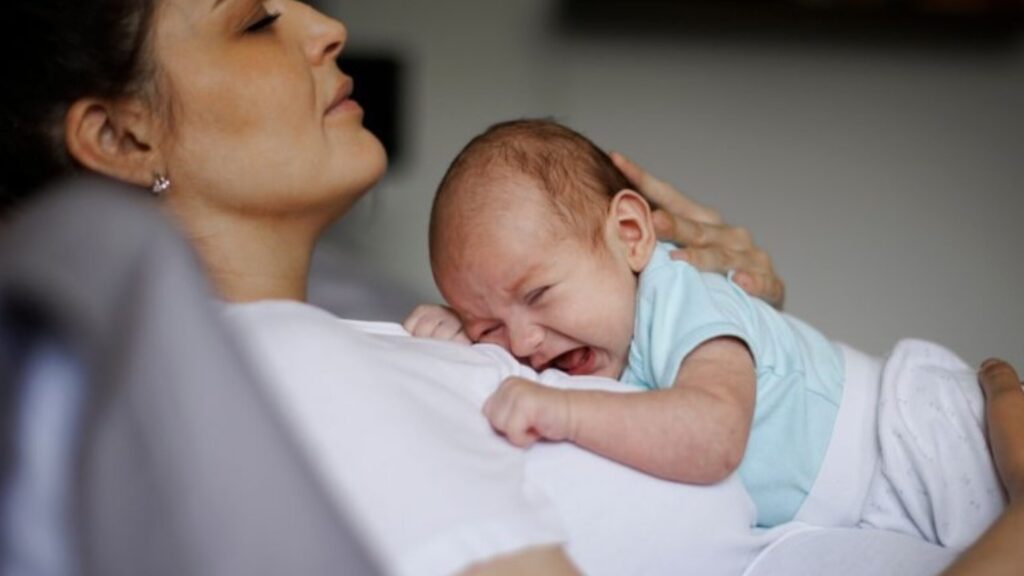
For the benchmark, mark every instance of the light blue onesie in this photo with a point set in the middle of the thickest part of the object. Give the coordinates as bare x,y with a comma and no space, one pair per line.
799,373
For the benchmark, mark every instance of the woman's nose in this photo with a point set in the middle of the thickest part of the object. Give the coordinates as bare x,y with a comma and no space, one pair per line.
325,37
525,339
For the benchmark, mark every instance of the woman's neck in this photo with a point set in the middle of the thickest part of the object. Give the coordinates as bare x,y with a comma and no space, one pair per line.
252,259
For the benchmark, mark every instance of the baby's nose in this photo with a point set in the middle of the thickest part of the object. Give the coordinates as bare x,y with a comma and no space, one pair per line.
526,340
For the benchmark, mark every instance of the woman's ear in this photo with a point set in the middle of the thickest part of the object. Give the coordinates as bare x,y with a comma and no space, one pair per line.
114,139
630,222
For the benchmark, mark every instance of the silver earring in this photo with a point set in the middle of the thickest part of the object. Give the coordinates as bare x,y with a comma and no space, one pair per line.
160,184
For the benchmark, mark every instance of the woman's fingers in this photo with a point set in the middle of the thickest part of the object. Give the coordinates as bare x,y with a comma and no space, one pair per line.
707,242
720,248
752,268
664,194
764,285
1004,412
998,377
686,232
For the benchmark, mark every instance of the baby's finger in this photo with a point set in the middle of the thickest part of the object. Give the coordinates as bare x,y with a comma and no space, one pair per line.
449,329
423,320
494,409
427,326
412,320
502,405
520,430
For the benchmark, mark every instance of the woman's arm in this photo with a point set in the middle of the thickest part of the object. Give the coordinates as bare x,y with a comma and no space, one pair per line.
1001,549
548,561
707,241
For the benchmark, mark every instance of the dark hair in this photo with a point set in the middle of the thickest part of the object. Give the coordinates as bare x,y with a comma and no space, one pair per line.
578,177
56,52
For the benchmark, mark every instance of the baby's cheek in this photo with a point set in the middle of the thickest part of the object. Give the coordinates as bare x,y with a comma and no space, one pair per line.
614,370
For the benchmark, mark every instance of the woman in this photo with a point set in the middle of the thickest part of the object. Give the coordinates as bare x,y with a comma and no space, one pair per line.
234,113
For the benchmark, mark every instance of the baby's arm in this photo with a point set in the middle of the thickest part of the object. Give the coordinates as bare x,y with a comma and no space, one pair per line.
436,322
695,432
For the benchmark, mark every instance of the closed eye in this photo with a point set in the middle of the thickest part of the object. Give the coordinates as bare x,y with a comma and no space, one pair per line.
535,295
263,23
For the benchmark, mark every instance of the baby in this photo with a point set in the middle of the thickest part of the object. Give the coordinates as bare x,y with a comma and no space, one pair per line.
539,245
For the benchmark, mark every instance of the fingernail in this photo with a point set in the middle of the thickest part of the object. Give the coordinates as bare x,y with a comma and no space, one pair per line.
990,361
680,255
742,279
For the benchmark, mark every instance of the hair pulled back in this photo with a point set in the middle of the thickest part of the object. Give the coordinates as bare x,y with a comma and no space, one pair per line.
54,53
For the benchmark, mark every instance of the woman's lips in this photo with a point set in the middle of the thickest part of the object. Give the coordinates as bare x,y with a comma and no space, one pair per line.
342,101
344,105
576,362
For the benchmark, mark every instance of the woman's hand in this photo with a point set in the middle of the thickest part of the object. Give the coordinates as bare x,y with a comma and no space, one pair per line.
999,551
435,322
707,242
1004,413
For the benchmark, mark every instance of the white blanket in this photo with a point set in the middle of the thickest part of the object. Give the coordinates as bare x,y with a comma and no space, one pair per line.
935,478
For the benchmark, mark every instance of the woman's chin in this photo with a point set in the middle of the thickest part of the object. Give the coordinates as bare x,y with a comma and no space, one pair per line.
371,163
363,168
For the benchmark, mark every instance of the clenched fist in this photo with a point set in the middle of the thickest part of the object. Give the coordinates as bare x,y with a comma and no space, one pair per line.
525,412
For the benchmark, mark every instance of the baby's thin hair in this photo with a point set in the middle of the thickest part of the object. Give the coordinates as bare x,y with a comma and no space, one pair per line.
578,178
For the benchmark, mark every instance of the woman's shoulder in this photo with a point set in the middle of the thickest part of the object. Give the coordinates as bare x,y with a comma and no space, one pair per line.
299,318
291,334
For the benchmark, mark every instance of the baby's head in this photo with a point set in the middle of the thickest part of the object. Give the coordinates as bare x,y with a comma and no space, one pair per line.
536,240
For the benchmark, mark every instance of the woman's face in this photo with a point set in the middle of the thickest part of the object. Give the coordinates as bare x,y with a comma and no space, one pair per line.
260,122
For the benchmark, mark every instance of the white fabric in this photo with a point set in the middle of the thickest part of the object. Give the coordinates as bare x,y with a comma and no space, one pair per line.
839,491
385,424
850,552
393,424
909,453
935,479
624,522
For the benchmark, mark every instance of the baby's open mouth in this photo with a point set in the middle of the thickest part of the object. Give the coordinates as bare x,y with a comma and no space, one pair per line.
578,361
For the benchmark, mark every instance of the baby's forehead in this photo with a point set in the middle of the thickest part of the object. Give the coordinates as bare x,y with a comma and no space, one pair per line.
491,274
496,203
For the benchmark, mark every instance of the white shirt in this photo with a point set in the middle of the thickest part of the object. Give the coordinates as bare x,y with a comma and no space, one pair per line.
393,426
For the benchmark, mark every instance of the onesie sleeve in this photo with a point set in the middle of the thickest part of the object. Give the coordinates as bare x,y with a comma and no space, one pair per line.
678,309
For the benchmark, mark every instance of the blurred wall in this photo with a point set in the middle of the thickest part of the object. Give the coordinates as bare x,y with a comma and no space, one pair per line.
886,182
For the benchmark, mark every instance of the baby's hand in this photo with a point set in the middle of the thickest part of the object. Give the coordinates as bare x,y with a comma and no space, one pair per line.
436,322
525,412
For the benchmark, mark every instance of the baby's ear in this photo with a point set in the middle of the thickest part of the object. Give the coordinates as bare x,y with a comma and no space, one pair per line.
629,221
